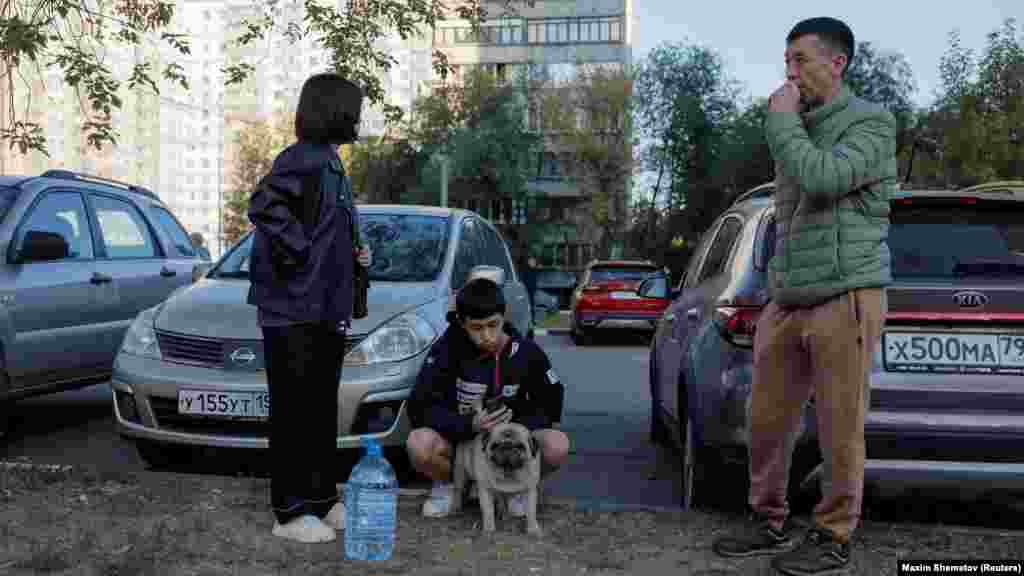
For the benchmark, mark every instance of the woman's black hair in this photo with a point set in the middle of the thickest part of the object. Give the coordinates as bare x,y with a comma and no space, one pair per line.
480,298
329,109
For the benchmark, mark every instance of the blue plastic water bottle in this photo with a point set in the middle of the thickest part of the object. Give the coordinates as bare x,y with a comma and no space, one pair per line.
371,507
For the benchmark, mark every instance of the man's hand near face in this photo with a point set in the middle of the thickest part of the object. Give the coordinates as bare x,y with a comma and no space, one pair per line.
785,99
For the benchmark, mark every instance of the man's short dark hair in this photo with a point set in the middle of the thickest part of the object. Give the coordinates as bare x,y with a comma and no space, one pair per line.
329,109
835,34
480,298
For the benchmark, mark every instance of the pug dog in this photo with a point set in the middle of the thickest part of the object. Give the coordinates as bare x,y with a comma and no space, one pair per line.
502,462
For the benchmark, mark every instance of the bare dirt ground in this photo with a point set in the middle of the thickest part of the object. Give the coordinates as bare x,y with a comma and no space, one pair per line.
68,521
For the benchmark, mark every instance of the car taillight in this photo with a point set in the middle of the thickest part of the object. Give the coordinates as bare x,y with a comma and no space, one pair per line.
738,324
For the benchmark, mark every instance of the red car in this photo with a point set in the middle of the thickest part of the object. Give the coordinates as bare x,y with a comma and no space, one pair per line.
607,296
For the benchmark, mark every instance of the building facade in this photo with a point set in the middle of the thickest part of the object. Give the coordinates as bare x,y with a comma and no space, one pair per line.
550,39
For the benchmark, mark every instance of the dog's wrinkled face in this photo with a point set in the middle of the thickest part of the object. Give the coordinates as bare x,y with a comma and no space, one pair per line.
509,447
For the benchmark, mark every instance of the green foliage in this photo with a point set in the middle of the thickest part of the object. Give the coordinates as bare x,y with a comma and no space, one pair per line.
257,144
479,125
590,119
972,133
73,36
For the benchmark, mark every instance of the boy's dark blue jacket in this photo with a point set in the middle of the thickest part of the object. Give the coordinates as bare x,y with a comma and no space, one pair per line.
525,368
302,265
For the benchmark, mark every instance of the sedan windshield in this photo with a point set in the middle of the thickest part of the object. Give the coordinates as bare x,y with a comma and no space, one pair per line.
406,248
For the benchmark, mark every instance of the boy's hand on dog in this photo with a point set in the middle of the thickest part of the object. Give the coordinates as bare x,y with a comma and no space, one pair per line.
485,421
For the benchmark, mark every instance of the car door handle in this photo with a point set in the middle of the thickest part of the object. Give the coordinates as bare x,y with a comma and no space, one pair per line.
168,272
98,278
693,314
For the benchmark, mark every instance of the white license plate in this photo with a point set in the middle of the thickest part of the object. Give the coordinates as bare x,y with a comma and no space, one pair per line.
226,404
624,296
917,352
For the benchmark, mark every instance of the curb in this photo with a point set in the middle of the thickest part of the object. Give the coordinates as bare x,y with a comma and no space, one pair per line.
8,465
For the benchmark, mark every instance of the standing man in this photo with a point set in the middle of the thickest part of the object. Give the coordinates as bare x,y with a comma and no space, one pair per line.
200,244
835,170
530,280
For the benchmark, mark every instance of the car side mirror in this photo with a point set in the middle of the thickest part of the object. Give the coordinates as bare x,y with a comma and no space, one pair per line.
494,273
652,288
41,246
200,270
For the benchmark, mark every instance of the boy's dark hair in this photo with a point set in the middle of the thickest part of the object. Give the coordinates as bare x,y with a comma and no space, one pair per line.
329,109
835,34
480,298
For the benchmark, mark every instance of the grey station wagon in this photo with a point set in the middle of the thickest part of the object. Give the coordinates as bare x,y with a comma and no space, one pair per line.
82,256
191,369
947,385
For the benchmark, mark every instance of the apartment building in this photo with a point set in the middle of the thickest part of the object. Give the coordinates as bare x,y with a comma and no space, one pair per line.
551,38
41,97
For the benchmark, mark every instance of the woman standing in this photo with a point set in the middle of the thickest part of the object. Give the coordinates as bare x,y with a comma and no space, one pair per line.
302,266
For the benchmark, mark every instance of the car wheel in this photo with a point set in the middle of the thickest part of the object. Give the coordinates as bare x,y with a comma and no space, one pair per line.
581,336
690,467
6,409
156,456
693,469
659,434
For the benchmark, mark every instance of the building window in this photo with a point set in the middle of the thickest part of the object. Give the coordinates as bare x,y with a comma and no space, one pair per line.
550,168
605,29
505,32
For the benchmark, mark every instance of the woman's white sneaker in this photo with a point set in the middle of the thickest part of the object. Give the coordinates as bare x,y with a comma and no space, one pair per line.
336,517
307,529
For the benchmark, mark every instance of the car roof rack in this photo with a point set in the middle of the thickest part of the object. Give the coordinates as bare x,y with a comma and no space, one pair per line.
766,190
71,175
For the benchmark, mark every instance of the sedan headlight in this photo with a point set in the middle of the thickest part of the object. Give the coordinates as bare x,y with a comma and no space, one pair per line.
140,339
401,338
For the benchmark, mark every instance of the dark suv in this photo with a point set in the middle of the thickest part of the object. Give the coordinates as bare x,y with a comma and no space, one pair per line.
82,256
947,387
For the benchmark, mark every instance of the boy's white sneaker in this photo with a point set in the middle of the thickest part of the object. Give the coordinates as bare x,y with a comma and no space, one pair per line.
439,503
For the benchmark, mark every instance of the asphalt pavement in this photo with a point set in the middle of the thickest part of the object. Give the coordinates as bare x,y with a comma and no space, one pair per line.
606,416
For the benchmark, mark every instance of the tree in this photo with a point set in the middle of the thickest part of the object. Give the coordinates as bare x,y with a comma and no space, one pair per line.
972,133
384,170
74,37
257,144
887,79
479,126
590,120
685,103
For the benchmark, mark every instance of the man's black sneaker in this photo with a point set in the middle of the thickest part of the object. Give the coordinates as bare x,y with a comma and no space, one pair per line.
761,539
820,554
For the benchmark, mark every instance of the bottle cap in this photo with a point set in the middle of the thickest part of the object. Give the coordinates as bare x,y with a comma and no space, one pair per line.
373,448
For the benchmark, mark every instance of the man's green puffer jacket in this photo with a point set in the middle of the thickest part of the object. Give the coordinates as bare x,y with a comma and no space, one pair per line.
835,172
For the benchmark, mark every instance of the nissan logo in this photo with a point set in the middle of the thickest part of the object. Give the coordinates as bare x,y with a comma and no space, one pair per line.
243,356
970,299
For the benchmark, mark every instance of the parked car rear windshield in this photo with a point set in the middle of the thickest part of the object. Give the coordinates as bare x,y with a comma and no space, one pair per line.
620,273
406,248
957,240
7,197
